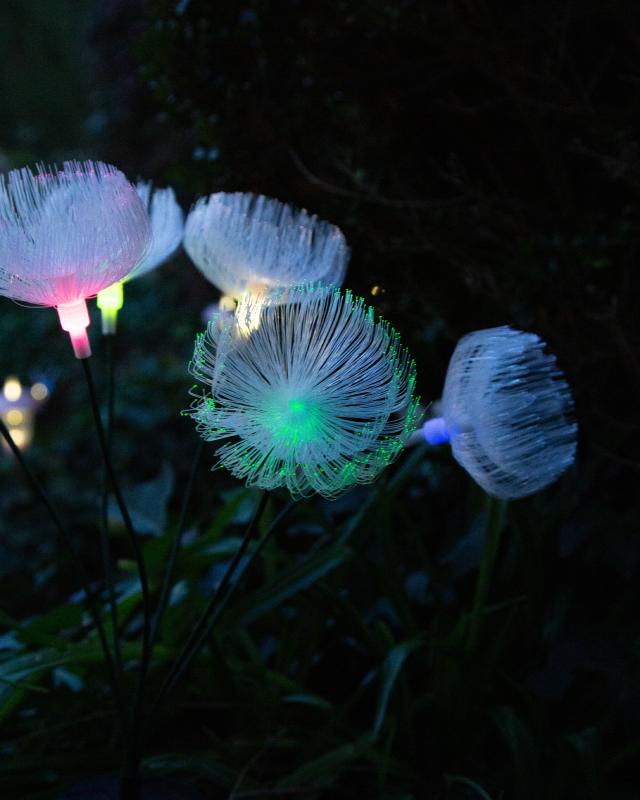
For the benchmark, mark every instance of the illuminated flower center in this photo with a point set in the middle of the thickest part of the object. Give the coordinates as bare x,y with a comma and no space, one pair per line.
295,422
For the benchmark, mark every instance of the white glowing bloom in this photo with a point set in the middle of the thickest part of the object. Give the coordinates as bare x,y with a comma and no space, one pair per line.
507,411
250,243
167,227
317,398
65,235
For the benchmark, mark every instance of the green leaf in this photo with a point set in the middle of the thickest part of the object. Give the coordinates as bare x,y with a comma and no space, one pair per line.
147,503
22,685
240,504
287,584
29,666
523,748
324,770
45,630
309,700
8,622
389,674
203,765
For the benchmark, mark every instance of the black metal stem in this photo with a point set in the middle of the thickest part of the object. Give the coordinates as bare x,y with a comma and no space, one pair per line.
105,544
132,759
233,587
204,625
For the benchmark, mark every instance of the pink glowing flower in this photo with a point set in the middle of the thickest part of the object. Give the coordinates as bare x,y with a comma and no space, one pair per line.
65,235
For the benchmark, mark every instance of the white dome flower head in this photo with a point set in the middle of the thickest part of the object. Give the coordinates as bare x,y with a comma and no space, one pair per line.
319,397
507,411
65,235
167,227
249,243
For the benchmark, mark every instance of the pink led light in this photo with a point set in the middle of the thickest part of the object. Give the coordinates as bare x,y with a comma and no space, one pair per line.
74,318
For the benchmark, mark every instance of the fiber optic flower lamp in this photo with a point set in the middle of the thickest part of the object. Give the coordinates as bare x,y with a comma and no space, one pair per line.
318,397
167,226
251,244
67,233
507,413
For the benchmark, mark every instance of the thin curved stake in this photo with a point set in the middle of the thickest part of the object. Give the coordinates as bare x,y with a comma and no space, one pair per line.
105,545
132,759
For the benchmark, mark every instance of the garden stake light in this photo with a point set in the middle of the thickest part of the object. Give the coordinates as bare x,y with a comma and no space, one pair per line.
318,395
167,226
507,412
250,244
67,234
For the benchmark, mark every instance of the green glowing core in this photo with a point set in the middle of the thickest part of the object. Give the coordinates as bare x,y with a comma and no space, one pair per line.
110,301
299,422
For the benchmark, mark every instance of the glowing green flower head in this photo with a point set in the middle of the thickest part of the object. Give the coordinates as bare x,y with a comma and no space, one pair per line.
316,397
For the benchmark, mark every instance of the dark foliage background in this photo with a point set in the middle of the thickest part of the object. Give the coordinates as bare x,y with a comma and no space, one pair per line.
482,159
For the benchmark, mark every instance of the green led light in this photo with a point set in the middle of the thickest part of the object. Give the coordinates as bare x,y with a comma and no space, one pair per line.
111,298
110,301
